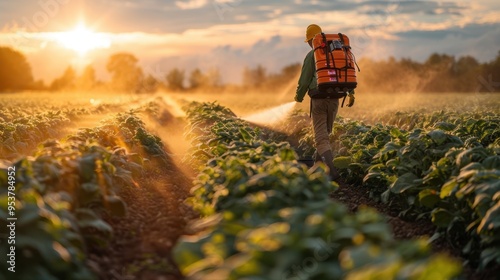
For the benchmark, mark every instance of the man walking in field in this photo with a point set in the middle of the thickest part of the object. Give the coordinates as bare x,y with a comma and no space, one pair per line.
323,111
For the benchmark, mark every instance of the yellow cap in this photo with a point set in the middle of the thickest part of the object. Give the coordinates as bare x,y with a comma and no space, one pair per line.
311,31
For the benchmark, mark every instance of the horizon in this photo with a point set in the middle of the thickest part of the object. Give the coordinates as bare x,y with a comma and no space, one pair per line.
231,34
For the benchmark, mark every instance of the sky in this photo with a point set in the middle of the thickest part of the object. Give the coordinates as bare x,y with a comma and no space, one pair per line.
230,34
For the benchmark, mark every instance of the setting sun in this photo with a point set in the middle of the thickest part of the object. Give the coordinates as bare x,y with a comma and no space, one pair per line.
82,40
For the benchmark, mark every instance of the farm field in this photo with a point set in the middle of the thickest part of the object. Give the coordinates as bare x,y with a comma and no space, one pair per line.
176,185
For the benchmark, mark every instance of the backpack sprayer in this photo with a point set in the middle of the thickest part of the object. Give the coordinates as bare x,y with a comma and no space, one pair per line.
335,66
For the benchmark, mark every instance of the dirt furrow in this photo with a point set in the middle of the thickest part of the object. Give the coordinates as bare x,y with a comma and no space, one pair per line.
142,241
157,216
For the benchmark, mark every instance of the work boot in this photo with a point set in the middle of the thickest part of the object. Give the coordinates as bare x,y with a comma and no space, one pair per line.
327,158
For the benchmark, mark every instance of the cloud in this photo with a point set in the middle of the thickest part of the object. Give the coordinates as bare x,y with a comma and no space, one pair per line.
273,54
181,15
231,34
481,41
191,4
413,7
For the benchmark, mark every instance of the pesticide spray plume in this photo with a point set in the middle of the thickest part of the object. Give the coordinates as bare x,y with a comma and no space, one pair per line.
271,116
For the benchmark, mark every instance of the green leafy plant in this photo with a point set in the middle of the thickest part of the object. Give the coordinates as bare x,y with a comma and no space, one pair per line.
265,215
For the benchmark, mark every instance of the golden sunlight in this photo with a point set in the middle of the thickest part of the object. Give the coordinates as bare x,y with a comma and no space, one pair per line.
82,40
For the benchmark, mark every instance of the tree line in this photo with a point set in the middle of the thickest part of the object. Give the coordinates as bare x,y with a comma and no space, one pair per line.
439,73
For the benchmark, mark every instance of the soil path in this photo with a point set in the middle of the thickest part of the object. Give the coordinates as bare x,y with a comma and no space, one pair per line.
140,248
143,240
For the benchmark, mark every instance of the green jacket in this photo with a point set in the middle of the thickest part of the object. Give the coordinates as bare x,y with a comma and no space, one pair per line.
307,78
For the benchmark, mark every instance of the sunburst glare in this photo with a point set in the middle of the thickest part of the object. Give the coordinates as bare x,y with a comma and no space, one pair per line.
82,40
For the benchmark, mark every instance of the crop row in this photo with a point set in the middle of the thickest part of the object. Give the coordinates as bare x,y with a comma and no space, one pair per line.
446,169
409,120
14,107
266,216
20,131
62,193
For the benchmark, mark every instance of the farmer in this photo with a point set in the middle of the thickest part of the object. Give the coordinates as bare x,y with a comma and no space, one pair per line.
323,111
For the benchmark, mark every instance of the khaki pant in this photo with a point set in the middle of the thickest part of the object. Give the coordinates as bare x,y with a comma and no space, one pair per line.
323,112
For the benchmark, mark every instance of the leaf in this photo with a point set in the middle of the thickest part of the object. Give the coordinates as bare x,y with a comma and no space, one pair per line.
287,154
476,154
116,206
38,272
42,243
372,175
428,198
492,162
442,217
342,162
488,255
86,218
434,237
390,147
28,215
396,133
404,182
438,136
491,221
245,135
472,166
87,167
376,168
136,158
385,196
448,188
89,192
444,126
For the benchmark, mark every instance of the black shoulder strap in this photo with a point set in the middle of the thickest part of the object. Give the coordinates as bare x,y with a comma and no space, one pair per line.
344,48
343,100
341,36
327,49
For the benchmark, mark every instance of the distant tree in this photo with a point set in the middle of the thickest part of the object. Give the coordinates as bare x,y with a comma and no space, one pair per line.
489,78
391,75
465,64
439,73
150,84
66,82
465,71
15,71
197,79
440,61
254,77
175,79
87,80
126,75
288,74
214,78
291,70
495,66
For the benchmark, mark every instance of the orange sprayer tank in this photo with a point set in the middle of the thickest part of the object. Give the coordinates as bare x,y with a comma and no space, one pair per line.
335,65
